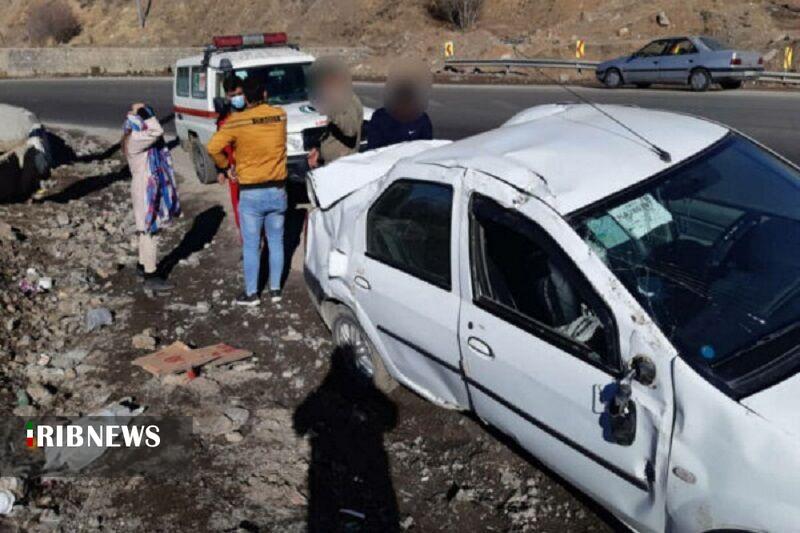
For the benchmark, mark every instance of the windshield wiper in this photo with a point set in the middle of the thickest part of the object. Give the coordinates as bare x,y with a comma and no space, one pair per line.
766,339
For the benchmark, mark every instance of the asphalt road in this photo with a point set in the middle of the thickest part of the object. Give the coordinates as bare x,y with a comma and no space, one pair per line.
772,117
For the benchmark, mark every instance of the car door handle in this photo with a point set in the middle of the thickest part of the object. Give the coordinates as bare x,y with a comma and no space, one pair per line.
480,347
362,282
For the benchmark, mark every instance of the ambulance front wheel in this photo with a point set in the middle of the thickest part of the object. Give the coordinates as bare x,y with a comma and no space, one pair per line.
203,165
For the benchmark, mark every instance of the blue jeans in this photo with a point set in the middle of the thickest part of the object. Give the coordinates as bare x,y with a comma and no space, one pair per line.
262,208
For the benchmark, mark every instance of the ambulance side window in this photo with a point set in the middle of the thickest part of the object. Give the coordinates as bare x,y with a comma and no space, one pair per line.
199,82
182,82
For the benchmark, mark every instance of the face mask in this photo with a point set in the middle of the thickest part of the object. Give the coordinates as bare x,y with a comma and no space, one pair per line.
237,102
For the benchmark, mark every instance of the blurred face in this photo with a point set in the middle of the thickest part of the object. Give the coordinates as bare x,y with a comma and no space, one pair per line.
333,91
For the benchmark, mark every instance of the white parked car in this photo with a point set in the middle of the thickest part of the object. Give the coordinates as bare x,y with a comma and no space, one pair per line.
628,314
197,94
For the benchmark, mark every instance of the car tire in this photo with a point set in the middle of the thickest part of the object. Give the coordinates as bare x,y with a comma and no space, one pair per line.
613,78
699,80
203,165
734,84
359,352
643,85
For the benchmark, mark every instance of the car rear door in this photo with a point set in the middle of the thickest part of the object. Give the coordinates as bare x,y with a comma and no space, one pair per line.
679,58
407,285
541,351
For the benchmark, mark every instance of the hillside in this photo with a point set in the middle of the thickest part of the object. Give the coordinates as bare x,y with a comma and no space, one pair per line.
392,28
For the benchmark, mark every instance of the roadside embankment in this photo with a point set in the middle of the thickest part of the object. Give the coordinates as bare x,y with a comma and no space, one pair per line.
24,154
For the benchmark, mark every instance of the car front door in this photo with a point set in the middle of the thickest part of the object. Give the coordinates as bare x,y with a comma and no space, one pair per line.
677,61
407,284
643,66
542,351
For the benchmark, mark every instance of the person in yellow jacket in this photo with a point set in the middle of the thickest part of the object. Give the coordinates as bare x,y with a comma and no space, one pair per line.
258,138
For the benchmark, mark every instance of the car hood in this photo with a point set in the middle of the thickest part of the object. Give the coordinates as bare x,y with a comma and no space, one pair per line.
303,115
778,404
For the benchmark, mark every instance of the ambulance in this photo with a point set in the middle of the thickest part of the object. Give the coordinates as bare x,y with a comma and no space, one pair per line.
198,96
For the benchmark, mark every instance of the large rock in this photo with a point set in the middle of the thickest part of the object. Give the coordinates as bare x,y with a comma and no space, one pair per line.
24,153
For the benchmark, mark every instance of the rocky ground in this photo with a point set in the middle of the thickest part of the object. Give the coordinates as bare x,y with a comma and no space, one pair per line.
263,427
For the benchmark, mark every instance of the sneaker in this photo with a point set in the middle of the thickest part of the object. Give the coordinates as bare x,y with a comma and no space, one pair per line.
275,295
250,301
156,284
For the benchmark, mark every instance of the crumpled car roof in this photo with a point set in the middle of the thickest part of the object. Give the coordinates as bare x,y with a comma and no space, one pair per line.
342,177
581,155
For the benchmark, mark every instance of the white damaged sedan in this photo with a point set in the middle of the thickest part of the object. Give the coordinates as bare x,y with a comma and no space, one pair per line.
615,288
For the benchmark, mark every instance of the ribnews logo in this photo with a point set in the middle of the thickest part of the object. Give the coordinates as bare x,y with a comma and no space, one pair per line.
98,446
101,436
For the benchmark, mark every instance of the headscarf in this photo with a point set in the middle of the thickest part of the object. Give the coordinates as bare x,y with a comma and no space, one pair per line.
161,196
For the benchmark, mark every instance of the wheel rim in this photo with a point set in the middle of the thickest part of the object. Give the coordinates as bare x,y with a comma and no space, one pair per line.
349,336
612,78
698,80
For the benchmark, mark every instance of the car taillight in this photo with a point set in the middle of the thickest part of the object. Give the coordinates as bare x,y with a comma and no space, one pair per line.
255,39
760,60
736,60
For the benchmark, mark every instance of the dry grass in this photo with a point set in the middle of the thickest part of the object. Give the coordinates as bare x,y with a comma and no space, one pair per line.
463,14
51,22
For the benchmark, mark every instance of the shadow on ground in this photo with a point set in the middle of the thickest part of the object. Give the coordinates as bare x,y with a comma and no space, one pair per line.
349,481
204,227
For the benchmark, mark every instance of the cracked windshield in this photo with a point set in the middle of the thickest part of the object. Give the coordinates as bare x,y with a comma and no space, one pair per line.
711,251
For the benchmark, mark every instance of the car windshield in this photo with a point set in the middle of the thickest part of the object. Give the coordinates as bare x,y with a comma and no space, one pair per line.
711,250
285,83
714,45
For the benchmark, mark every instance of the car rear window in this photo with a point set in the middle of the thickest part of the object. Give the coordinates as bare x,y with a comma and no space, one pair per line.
182,81
408,228
713,44
199,82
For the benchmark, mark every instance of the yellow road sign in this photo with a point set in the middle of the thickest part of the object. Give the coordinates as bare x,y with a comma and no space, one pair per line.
580,49
787,58
449,49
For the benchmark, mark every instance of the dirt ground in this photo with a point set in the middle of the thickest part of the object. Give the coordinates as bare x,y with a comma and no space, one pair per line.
282,441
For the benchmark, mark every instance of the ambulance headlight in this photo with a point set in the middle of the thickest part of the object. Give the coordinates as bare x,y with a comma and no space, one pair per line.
294,142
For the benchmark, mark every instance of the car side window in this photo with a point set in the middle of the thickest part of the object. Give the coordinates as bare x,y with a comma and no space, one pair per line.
656,48
408,228
182,81
521,275
199,82
682,47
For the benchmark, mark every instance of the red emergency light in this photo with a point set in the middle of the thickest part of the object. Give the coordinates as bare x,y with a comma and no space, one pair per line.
254,39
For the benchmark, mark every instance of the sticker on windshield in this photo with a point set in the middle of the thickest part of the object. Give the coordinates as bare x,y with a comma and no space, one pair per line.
641,216
607,231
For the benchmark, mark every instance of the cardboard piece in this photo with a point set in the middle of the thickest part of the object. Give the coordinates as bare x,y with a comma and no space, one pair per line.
178,357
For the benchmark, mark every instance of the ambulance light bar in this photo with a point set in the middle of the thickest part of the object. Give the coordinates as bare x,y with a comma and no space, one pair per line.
251,40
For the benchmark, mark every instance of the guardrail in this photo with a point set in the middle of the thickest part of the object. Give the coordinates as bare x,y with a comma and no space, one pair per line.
791,78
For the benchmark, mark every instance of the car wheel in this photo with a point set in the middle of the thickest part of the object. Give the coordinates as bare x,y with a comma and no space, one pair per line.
735,84
700,80
643,85
203,165
613,78
350,338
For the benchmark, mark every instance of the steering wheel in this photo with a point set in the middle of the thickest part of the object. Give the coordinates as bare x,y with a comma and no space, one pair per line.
722,247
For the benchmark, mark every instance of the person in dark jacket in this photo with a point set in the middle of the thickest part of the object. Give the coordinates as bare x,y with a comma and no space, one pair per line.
403,119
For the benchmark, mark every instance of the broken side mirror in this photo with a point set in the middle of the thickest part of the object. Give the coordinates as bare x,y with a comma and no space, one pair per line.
643,370
621,408
622,416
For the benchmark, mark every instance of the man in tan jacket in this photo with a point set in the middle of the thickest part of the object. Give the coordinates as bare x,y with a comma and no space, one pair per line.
258,138
332,94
